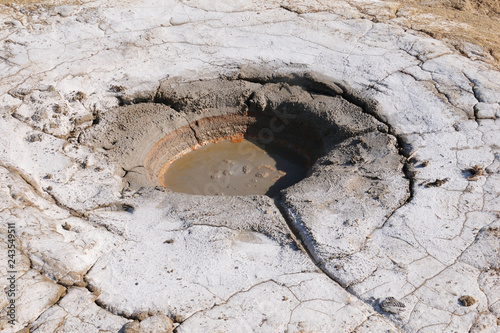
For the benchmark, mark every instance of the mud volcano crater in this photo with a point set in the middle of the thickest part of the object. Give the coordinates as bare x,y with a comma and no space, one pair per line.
353,179
304,116
246,153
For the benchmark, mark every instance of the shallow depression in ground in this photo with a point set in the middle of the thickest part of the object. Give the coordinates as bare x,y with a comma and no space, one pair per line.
236,167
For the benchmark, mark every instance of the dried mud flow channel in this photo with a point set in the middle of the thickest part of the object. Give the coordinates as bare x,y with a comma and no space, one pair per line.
355,183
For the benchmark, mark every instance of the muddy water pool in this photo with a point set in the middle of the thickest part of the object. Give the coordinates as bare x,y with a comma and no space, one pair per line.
236,167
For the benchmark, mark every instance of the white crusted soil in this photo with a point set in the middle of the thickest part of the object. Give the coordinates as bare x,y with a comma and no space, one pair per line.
93,257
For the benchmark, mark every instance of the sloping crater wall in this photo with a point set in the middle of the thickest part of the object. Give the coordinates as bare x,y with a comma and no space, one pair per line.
356,180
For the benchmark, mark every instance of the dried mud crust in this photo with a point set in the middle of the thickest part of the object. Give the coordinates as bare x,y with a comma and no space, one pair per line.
355,184
73,217
470,26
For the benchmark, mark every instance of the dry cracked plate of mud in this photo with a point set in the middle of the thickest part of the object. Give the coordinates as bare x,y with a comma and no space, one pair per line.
380,211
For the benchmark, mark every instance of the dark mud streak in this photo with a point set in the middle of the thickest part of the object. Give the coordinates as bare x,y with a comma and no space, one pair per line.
165,101
295,233
306,81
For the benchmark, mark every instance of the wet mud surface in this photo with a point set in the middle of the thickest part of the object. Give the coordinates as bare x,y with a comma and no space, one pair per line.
238,167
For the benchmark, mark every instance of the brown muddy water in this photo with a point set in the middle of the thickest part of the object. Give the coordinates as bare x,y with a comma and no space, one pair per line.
237,167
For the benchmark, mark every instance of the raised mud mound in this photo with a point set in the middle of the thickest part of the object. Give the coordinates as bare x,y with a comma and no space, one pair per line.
353,186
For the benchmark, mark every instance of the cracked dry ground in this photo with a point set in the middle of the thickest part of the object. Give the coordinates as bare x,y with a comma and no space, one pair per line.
93,256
